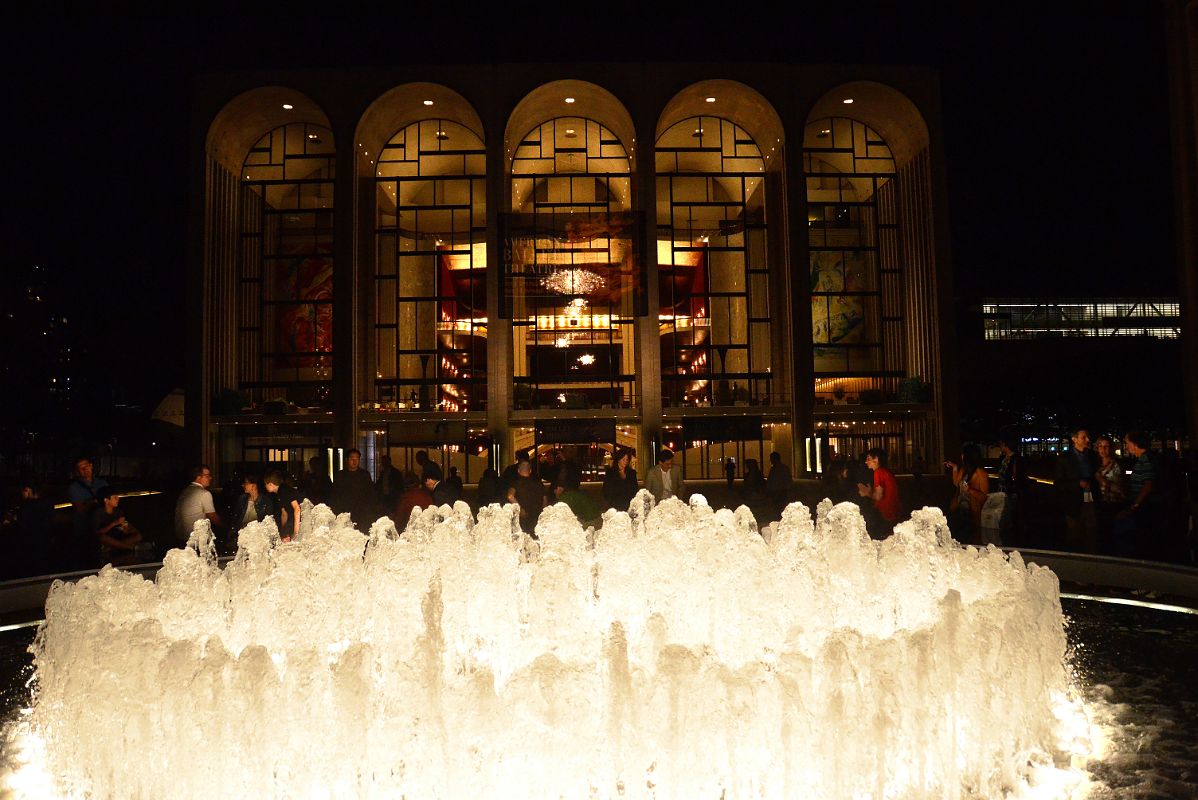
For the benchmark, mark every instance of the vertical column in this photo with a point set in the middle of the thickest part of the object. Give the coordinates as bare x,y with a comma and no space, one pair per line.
1182,42
795,265
347,304
198,378
648,338
499,331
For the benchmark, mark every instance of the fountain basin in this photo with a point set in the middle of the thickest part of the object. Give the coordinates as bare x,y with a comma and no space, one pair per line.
676,652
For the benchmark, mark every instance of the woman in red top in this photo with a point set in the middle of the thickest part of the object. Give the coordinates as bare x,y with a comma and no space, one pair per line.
885,491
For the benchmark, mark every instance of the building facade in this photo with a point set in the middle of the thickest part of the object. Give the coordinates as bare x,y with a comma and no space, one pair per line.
726,260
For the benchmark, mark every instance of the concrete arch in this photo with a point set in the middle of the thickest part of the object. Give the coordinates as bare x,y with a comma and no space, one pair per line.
736,102
885,109
548,101
406,104
248,117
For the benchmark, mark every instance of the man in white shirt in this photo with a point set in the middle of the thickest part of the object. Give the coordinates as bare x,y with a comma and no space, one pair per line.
195,503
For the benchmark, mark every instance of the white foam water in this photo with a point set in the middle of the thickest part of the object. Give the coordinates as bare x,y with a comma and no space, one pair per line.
677,652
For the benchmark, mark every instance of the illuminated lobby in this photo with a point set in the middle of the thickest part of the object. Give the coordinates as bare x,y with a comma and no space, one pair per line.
473,260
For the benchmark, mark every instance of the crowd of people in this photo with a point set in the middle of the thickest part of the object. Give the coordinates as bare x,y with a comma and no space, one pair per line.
1108,495
1140,506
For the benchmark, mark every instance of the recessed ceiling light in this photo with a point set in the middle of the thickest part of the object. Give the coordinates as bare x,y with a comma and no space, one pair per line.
848,100
710,99
428,102
569,99
287,106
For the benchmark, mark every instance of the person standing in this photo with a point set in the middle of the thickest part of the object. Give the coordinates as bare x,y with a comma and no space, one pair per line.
664,480
253,505
116,538
82,492
1135,523
490,488
439,490
34,522
884,493
315,485
778,484
427,467
353,491
619,483
453,484
973,486
287,504
414,496
194,504
1014,484
1112,490
529,494
389,483
1076,487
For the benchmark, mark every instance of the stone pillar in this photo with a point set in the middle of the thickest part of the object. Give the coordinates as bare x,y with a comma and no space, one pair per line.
348,272
499,331
648,337
1182,41
794,263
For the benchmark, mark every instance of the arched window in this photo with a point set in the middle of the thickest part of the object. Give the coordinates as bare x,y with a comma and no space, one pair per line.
573,326
430,289
856,308
284,293
714,314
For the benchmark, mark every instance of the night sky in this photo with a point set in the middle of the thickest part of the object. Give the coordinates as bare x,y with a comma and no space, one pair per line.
1056,129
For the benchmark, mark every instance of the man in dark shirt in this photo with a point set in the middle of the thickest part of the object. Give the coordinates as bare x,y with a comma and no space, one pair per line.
1135,524
353,491
287,505
116,538
1075,486
530,494
426,467
441,492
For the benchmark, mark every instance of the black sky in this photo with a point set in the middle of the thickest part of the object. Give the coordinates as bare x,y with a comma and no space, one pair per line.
1056,130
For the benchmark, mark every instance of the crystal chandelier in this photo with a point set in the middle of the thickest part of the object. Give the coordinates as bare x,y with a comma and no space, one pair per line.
573,280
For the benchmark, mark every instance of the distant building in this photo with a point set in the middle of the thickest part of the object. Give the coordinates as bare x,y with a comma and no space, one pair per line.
1028,318
480,259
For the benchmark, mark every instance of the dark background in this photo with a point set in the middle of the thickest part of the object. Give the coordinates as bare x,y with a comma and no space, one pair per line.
1056,129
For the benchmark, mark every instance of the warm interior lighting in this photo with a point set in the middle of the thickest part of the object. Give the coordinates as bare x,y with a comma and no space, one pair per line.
428,102
569,99
710,99
848,100
287,106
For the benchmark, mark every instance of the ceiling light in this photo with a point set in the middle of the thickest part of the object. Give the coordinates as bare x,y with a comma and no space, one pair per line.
710,99
569,99
442,135
311,135
428,102
287,106
848,100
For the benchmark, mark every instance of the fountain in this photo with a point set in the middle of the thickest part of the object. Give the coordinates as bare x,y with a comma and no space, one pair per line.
674,653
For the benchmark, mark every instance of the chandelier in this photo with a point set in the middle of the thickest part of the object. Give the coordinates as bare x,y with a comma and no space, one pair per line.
573,280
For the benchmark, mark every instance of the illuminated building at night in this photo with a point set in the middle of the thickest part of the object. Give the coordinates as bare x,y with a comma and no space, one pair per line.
724,260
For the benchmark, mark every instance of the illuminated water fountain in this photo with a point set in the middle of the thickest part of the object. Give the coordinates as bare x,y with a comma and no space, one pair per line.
675,653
